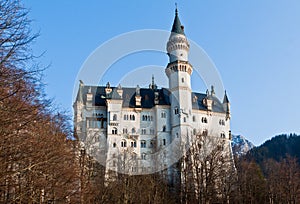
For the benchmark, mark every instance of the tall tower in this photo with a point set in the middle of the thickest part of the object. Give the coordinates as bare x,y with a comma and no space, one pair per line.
179,72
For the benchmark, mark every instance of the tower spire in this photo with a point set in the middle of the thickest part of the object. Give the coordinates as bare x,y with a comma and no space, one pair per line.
153,85
177,27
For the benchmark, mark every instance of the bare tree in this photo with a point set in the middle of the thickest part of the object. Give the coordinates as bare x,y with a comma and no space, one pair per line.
208,171
283,179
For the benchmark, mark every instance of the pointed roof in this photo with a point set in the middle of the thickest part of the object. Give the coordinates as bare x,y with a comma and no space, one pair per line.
225,100
177,27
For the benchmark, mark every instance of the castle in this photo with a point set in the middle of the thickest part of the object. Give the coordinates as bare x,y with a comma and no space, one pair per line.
132,129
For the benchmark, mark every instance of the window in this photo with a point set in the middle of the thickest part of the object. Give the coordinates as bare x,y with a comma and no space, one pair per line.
205,132
133,130
143,156
132,117
151,144
151,131
114,144
163,114
125,131
194,131
194,118
114,131
123,143
182,80
204,120
222,122
164,128
164,142
115,117
223,135
176,111
133,144
184,119
143,132
147,118
143,144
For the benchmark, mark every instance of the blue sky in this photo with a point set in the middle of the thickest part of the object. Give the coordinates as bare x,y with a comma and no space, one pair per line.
255,46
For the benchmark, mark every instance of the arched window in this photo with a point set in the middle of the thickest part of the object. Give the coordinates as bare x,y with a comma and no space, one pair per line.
184,119
115,117
143,156
221,122
164,128
205,132
125,131
143,132
133,130
114,144
182,80
204,120
133,144
194,131
123,143
114,131
223,135
143,144
194,118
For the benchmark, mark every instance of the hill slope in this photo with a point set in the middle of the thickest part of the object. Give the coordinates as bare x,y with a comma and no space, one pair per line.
276,148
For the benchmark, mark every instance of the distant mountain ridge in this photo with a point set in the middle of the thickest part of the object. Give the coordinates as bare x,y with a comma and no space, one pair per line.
277,148
240,145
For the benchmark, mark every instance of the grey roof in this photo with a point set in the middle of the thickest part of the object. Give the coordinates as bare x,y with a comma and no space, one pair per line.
198,104
147,95
128,96
177,27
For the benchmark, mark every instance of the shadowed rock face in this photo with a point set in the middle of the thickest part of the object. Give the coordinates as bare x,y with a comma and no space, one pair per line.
240,145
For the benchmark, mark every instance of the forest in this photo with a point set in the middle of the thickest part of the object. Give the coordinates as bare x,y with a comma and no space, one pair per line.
41,160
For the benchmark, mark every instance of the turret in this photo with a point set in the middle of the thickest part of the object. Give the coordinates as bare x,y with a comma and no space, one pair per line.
226,105
89,97
138,98
177,46
179,70
120,91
